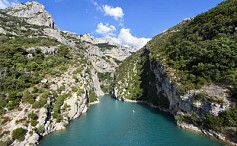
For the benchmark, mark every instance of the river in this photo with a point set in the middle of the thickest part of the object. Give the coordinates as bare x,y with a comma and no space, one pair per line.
117,123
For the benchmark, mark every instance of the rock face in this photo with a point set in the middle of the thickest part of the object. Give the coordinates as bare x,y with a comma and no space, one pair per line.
180,76
53,50
96,83
159,89
187,102
65,88
72,108
165,86
33,13
77,106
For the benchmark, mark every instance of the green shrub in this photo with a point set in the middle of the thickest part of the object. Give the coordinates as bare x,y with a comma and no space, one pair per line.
28,97
80,92
61,88
57,107
200,96
6,143
18,134
34,123
5,120
11,105
227,118
78,70
92,96
57,116
33,116
74,89
40,129
39,104
2,111
63,68
20,120
65,107
24,72
35,90
3,103
4,133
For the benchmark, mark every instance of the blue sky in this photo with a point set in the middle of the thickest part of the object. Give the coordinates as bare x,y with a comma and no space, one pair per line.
118,18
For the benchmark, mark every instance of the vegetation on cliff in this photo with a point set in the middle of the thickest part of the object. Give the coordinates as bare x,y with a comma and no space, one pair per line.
128,76
201,50
193,54
38,73
18,134
135,80
19,72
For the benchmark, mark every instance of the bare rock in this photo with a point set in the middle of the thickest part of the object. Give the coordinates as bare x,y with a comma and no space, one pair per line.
33,12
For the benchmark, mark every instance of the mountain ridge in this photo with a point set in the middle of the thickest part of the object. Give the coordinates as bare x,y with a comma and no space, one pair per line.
49,77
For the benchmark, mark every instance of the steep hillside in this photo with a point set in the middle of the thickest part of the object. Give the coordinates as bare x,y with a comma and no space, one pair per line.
47,76
202,49
190,70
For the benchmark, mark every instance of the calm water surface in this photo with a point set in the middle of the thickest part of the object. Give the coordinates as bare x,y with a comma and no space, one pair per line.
117,123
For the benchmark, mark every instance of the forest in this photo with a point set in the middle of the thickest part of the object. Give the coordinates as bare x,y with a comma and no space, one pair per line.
203,49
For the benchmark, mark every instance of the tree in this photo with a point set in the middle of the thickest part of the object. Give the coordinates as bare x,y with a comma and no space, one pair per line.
18,134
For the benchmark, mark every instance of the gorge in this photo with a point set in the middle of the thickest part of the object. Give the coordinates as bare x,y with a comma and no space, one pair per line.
50,77
113,122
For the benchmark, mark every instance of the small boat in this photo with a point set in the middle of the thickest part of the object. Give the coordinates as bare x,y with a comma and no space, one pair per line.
133,111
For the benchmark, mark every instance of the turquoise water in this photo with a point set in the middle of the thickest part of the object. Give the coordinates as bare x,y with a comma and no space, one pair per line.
114,123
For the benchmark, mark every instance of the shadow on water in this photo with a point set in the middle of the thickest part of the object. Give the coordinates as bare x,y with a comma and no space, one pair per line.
169,117
166,115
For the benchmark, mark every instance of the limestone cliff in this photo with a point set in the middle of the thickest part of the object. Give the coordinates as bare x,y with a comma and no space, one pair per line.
48,76
33,12
185,70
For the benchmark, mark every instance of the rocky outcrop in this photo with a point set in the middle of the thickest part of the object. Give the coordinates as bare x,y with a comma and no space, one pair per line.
76,106
187,102
205,131
52,50
3,31
33,12
56,34
165,87
96,83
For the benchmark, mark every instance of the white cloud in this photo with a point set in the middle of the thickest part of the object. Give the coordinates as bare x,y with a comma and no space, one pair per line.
126,38
116,12
6,3
98,7
105,29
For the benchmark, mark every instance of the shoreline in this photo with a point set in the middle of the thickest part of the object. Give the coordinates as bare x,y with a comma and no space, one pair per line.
85,109
148,103
182,125
210,133
186,126
94,102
